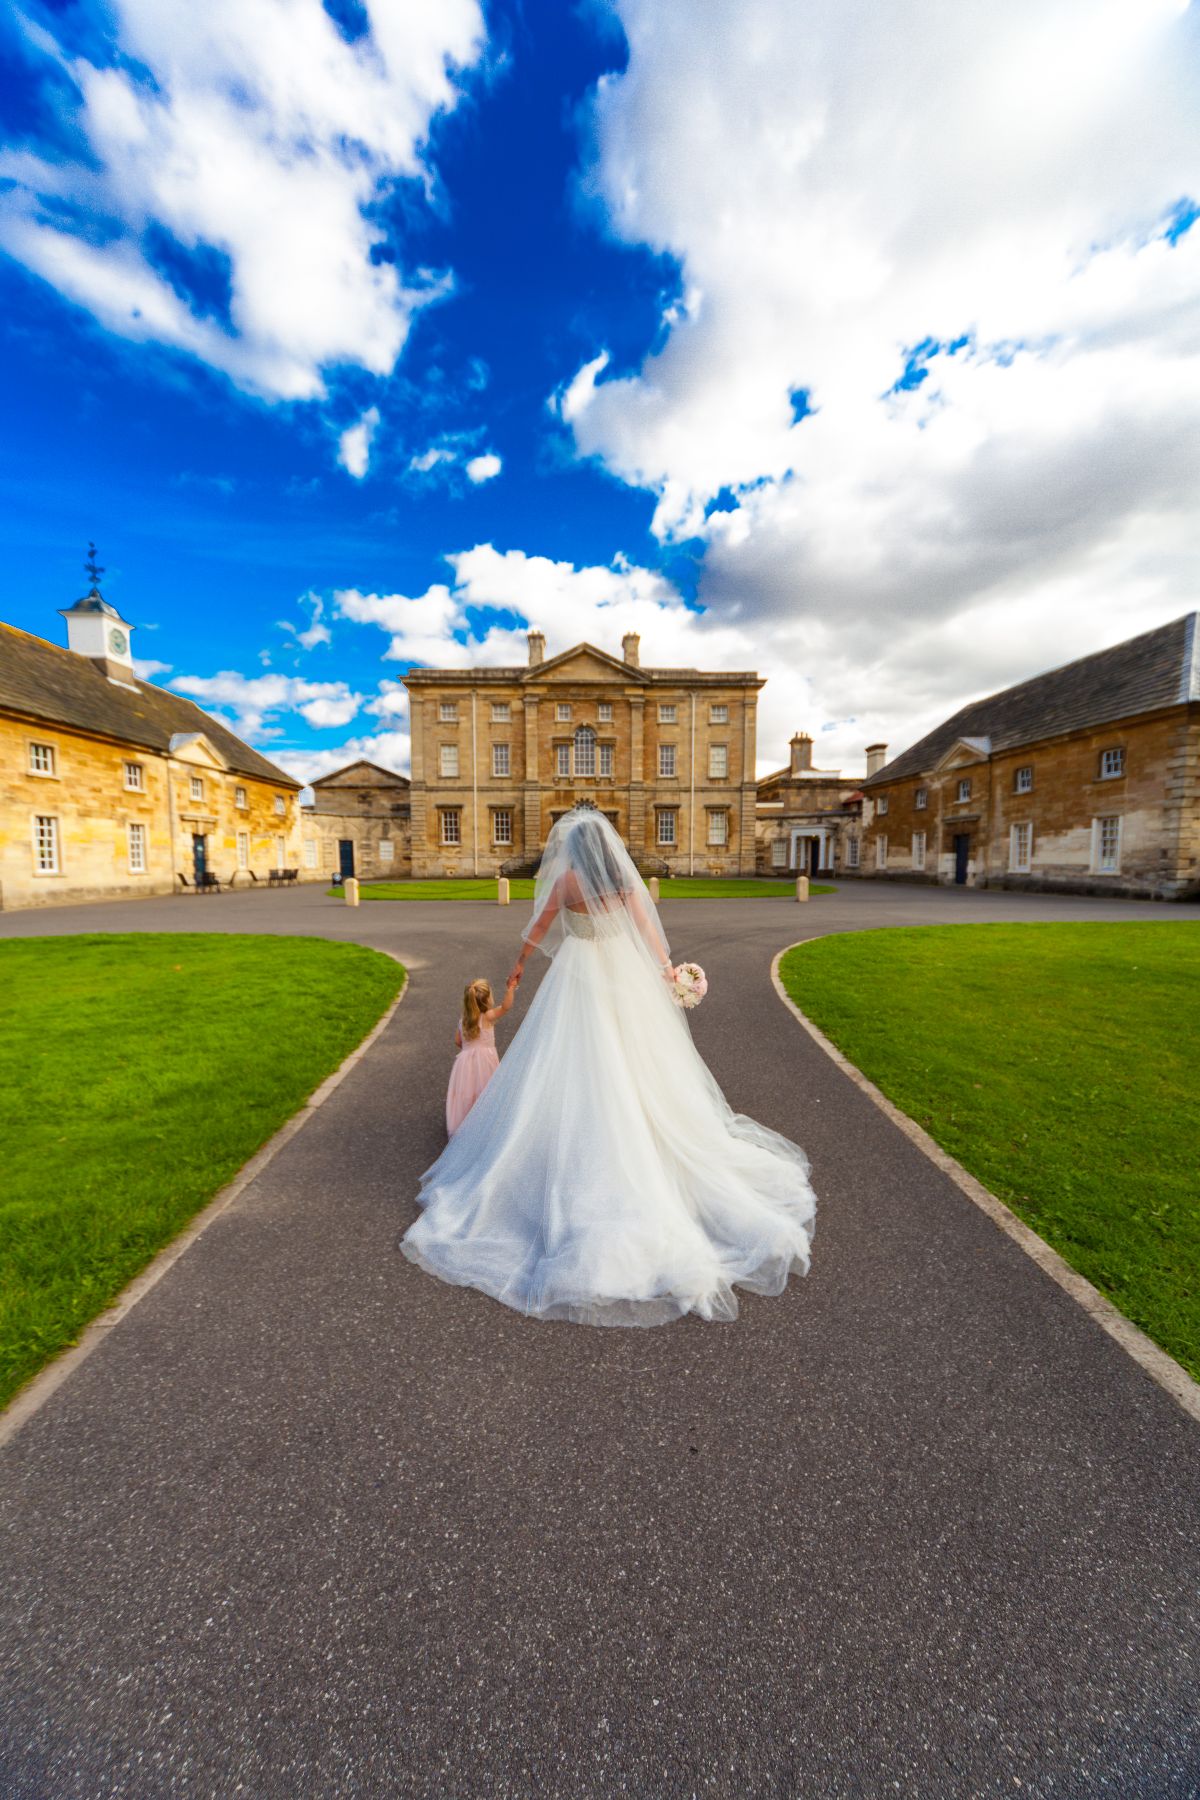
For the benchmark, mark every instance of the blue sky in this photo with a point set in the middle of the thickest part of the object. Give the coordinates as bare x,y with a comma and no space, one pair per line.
370,333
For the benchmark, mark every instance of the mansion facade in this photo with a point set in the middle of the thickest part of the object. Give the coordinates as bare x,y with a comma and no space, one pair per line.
499,754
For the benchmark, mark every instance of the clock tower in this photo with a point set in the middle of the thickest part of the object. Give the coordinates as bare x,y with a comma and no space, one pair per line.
96,630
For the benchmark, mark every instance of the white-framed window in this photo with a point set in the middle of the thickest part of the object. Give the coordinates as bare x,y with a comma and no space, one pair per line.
666,760
280,852
451,825
918,850
137,848
666,713
585,751
501,712
718,825
239,798
501,759
1023,779
387,850
604,712
718,715
779,853
1020,848
964,788
562,711
605,764
921,799
1112,763
448,761
243,849
502,825
852,853
45,844
1106,844
280,805
42,760
135,778
448,711
196,788
310,852
562,759
666,825
718,762
881,853
881,805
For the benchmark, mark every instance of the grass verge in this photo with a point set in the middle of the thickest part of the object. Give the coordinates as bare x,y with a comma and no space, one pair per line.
1060,1064
675,887
137,1074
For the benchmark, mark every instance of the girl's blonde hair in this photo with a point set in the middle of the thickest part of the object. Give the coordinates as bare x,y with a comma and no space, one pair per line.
477,999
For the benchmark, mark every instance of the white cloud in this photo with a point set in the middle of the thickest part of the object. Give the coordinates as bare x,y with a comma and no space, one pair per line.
484,468
252,138
839,184
390,749
254,701
354,445
431,458
314,632
147,667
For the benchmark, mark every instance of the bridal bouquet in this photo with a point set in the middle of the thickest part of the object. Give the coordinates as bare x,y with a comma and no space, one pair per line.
689,984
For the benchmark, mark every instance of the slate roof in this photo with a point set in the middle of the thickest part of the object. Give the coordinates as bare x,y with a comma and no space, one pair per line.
1157,669
346,777
45,681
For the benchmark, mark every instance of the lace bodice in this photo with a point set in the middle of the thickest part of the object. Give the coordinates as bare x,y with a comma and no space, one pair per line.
590,925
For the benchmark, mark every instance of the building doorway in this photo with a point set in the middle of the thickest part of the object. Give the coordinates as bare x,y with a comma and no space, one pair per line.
346,858
199,857
962,855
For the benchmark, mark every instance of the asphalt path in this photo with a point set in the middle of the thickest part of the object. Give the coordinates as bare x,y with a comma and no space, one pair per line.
311,1523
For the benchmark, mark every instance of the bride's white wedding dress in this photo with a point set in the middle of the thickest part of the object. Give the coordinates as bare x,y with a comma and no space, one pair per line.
602,1177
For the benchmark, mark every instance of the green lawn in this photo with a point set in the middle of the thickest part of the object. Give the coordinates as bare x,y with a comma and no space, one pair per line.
675,887
137,1075
1060,1064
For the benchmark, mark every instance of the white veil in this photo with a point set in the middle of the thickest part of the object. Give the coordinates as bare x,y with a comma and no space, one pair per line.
585,868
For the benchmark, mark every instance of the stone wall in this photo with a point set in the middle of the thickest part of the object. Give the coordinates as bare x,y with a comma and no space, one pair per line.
89,796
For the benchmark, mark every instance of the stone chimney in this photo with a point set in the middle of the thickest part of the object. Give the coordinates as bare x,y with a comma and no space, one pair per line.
629,646
537,648
876,757
801,745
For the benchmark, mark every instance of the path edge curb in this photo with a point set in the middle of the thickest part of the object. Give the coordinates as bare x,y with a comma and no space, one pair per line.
1161,1367
30,1399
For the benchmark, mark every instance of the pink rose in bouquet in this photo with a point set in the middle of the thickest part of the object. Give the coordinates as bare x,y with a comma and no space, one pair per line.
689,984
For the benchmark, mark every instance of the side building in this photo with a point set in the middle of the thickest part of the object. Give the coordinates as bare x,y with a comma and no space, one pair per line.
110,787
1085,779
809,821
358,824
499,754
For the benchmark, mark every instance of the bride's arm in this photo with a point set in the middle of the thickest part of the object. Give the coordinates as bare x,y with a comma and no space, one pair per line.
535,934
646,920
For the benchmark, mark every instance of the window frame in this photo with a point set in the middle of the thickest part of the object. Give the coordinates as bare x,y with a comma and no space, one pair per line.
502,754
881,850
853,846
583,736
718,713
1023,779
280,807
562,712
1117,772
605,761
501,712
447,712
498,813
1020,863
881,805
668,753
51,750
918,849
668,712
137,771
196,787
779,853
921,799
446,753
666,815
1099,866
722,751
562,762
715,814
447,839
962,792
135,832
52,839
241,799
604,712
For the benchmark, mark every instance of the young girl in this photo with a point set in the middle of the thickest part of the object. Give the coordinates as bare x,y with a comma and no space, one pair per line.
477,1060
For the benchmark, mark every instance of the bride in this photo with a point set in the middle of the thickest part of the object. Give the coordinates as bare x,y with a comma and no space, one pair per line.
602,1177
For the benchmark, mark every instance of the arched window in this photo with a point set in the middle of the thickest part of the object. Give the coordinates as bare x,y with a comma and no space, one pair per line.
585,751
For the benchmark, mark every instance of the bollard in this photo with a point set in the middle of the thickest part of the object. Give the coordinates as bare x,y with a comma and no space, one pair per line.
351,890
802,887
653,885
502,891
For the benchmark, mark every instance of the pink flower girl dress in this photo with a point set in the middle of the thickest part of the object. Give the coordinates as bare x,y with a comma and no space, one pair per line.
474,1066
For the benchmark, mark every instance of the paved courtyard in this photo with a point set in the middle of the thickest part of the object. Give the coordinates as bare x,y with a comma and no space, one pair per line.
311,1523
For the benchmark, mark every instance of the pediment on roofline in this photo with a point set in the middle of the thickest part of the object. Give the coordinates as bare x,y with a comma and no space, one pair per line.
962,751
585,663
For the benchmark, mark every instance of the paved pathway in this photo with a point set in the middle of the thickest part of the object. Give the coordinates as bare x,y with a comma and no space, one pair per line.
310,1523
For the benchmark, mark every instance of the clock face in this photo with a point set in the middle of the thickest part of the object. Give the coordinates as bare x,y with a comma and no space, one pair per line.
117,642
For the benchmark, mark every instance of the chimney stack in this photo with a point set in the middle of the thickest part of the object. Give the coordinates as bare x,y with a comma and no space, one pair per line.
801,745
629,645
537,648
876,757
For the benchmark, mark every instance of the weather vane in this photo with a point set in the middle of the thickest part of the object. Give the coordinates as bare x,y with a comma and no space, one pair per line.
92,567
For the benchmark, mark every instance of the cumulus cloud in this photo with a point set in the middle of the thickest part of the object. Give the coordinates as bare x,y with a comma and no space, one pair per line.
483,468
354,445
253,702
314,632
390,749
927,394
229,160
147,667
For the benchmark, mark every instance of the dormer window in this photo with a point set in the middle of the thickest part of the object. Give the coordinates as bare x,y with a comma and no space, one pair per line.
197,787
964,789
1112,764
